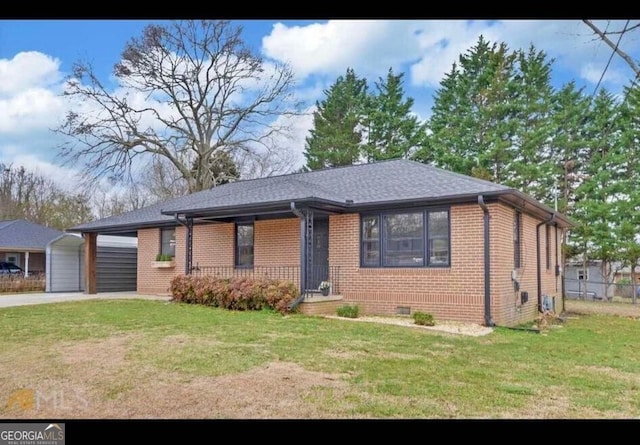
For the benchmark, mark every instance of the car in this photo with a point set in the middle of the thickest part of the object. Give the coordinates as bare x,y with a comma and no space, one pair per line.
7,268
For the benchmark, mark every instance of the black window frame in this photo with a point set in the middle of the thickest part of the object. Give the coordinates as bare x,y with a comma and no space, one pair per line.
236,253
425,237
517,239
161,249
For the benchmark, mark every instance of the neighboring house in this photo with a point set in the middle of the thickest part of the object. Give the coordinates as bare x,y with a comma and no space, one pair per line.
581,282
393,237
24,243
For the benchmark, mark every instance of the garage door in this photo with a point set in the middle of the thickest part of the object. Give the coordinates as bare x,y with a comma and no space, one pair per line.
116,269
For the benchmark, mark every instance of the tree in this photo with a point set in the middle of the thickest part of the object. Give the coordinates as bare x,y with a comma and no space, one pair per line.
598,196
471,124
392,131
190,93
617,49
31,196
630,200
336,136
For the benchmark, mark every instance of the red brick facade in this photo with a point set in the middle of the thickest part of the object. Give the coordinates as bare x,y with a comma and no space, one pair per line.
451,293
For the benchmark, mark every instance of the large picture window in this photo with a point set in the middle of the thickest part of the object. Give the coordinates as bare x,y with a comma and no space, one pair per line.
415,238
244,245
168,241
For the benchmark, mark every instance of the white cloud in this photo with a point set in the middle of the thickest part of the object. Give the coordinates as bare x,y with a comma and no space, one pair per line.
27,70
65,177
371,46
428,48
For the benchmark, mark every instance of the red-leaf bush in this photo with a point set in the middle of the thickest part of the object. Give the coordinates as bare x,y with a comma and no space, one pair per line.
240,293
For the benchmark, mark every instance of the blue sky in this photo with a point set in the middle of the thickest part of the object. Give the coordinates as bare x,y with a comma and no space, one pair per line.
35,55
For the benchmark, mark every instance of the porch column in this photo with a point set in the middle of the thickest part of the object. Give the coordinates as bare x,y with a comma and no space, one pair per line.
189,247
26,263
90,255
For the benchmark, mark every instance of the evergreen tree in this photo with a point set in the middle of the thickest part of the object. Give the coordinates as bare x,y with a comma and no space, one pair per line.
336,136
629,202
471,125
391,130
597,206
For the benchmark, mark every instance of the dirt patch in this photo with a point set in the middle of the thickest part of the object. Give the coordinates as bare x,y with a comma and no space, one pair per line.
98,383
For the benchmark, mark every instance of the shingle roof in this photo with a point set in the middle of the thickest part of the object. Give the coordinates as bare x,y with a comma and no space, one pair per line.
22,234
365,184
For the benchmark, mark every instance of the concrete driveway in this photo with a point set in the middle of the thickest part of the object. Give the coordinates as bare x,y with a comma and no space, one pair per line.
7,300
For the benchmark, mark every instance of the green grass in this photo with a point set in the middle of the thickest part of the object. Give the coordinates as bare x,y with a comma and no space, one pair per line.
587,368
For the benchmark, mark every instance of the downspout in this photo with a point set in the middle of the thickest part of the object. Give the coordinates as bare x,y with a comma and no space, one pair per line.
303,253
538,268
488,321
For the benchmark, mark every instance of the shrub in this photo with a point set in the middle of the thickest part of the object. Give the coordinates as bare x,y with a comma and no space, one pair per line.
163,257
348,311
423,319
240,293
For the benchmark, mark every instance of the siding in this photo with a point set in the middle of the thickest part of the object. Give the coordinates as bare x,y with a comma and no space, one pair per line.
116,269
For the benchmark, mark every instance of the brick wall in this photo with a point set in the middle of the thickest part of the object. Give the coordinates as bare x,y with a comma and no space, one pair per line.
452,293
276,243
456,292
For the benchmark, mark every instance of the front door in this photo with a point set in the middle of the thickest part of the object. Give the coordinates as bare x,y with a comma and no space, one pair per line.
320,269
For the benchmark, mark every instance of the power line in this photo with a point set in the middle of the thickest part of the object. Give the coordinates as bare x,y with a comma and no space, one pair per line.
610,58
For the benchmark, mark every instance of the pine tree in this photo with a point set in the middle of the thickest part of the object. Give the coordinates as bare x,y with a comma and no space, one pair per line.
392,131
336,136
471,125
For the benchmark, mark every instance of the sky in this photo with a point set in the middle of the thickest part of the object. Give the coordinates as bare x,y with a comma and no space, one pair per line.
36,55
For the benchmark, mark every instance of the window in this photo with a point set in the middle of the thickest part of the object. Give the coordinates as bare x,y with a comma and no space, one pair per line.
583,274
244,245
168,241
12,258
548,245
405,239
517,241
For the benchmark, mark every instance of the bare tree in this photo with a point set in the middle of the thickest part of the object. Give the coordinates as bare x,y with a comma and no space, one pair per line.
190,93
28,195
615,46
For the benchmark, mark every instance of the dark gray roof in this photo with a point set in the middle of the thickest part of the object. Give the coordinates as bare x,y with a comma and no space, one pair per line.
22,234
136,218
352,186
396,180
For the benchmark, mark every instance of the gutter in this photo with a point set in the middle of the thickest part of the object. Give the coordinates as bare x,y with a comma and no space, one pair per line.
551,219
488,320
303,254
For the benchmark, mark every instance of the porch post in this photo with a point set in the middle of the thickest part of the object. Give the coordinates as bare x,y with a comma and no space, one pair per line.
303,255
26,264
90,255
189,247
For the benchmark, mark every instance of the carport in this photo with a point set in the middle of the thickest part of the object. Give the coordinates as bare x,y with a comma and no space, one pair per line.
115,264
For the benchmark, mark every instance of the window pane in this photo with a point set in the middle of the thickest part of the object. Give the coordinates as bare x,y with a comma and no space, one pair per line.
168,241
371,241
404,239
439,238
244,245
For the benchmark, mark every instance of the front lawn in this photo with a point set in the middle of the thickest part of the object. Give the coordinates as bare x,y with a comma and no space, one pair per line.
153,359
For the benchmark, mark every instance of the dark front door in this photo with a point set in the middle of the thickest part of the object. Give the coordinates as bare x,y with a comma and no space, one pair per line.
320,268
